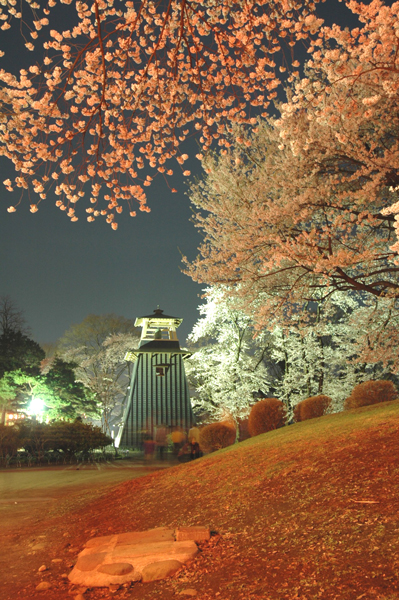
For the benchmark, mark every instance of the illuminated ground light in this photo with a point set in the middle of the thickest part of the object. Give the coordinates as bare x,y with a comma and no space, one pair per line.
36,406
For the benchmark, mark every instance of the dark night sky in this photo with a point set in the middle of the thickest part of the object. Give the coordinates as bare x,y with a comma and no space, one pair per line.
58,272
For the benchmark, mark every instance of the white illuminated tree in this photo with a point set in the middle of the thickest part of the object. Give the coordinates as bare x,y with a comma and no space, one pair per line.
98,346
318,352
227,368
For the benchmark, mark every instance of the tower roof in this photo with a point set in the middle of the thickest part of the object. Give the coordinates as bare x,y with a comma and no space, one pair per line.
157,315
158,335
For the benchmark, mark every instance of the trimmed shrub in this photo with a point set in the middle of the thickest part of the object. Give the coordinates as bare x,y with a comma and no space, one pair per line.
311,408
266,415
68,437
371,392
216,436
74,436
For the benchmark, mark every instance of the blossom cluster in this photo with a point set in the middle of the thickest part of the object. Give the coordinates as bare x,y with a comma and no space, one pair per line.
305,209
124,87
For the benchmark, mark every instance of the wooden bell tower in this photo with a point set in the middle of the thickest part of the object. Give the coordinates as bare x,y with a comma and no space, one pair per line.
158,389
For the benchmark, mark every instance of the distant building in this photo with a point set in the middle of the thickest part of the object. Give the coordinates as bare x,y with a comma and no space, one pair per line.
158,389
13,417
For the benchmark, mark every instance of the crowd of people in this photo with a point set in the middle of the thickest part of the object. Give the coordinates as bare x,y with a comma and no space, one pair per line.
185,445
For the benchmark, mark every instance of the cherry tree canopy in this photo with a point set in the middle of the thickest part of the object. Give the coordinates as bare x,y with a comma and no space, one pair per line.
123,87
299,209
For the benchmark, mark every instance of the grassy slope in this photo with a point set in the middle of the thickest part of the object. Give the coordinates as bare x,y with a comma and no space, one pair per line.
309,511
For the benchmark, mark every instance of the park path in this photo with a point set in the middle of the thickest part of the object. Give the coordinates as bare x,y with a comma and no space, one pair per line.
38,480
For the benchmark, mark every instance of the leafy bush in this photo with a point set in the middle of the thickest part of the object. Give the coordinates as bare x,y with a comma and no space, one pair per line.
315,406
266,415
371,392
36,438
9,440
75,436
66,436
216,436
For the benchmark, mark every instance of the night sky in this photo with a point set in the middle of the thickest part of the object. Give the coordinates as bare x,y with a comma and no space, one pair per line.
59,272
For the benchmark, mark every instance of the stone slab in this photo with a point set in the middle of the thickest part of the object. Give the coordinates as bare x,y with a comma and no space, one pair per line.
98,578
127,557
160,570
100,541
89,562
140,551
195,533
116,569
159,534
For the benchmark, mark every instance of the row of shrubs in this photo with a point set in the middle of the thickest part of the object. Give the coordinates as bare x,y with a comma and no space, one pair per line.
270,413
66,437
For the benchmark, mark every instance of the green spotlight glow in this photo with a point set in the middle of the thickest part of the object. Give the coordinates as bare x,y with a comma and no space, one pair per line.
36,406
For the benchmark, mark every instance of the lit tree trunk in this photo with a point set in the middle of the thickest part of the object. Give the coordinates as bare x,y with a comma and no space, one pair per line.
306,369
286,367
321,363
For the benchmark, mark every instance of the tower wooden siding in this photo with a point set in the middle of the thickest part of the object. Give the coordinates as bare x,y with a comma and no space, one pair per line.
155,400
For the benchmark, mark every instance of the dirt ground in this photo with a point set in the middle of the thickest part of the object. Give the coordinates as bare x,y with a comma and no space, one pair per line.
307,512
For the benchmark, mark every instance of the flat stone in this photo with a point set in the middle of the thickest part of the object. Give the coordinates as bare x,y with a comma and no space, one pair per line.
43,586
188,592
186,550
160,534
160,570
96,578
195,533
116,561
89,562
116,569
100,541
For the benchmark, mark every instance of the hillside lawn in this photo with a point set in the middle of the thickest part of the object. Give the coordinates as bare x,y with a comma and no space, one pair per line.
306,512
